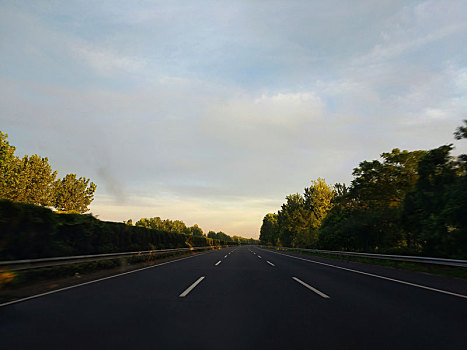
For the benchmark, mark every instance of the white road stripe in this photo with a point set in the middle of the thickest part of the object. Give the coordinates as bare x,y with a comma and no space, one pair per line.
378,276
217,263
95,281
225,256
270,263
190,288
259,256
311,288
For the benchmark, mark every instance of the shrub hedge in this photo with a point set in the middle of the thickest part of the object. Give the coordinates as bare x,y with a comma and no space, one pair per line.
29,231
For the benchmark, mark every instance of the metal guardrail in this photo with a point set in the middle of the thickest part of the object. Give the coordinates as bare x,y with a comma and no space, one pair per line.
404,258
27,264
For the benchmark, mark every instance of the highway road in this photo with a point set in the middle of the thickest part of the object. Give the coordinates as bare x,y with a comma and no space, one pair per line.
246,298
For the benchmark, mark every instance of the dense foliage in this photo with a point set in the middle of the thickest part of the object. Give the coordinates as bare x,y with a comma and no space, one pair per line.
406,202
220,236
298,221
177,226
31,180
30,231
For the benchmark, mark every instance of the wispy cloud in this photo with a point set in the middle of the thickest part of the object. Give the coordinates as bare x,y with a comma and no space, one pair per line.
414,27
389,49
106,61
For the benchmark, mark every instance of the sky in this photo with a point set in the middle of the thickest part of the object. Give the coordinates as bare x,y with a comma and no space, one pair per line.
211,112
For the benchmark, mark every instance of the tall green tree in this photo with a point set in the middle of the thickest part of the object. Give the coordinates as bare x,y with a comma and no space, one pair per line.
269,232
195,230
73,194
223,237
461,131
300,217
31,180
367,215
385,183
293,219
371,208
168,225
153,223
28,180
434,212
8,167
318,202
35,181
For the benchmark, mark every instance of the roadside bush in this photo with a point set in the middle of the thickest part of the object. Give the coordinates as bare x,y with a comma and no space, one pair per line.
29,231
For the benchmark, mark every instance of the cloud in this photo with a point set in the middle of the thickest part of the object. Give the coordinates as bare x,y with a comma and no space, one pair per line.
284,110
106,61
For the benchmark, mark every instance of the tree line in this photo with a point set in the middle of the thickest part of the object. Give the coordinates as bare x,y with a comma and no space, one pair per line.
31,180
29,231
178,226
407,202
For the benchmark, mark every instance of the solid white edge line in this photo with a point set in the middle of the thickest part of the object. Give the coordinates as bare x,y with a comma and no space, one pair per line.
311,288
217,263
190,288
95,281
378,276
270,263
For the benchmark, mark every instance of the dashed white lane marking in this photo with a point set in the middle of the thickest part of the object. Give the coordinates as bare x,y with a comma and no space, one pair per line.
378,276
311,288
270,263
217,263
225,256
259,256
190,288
94,281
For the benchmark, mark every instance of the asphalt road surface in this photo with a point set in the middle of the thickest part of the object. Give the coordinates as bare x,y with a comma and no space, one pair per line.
246,298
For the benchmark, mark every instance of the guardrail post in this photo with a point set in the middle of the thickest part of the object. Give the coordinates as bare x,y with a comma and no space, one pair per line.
123,263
